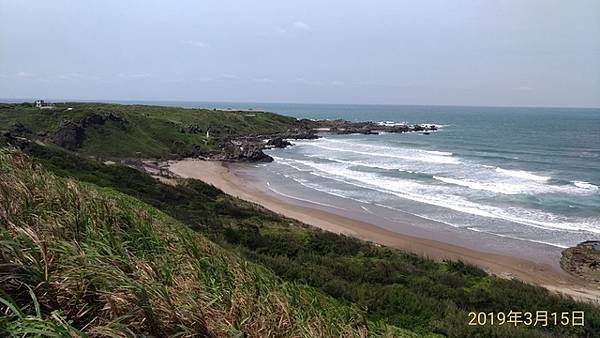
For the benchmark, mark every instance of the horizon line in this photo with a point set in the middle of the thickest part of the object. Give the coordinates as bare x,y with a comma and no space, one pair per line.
133,101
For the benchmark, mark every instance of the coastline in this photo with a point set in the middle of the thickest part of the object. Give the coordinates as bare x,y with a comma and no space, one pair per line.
218,174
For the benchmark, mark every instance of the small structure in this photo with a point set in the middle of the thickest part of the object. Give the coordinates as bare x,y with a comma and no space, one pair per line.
596,246
41,104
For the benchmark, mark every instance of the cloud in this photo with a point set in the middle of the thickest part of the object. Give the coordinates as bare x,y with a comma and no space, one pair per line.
304,81
194,43
301,25
289,29
134,76
23,74
262,80
229,77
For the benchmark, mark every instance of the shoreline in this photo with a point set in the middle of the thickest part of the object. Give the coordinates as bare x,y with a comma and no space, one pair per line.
218,174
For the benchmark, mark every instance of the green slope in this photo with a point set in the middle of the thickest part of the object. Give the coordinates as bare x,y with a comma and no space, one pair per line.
146,131
80,260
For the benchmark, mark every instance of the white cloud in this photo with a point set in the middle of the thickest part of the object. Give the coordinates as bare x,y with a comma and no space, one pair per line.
23,74
229,77
194,43
304,81
134,76
301,25
262,80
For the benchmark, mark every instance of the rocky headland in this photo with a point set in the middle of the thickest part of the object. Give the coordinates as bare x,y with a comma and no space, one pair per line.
124,134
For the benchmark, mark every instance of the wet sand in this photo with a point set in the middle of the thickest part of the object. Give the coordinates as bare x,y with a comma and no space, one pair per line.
549,276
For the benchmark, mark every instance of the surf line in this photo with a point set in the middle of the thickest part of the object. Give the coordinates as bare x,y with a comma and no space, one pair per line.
302,199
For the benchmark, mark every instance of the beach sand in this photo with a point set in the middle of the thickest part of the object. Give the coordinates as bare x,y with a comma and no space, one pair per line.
219,175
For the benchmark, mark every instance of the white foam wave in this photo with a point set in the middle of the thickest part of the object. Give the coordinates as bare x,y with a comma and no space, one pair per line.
382,151
392,123
522,174
511,187
443,198
585,185
441,153
493,187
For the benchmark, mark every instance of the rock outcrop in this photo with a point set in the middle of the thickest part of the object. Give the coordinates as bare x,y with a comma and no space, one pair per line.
246,151
70,135
583,261
277,142
19,129
98,119
369,128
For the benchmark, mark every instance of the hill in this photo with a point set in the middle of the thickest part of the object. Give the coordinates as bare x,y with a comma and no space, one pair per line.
81,260
113,131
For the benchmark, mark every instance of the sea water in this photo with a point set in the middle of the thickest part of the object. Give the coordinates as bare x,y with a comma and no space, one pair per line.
532,174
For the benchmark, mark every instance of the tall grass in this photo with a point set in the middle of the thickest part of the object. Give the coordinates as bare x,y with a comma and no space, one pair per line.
77,260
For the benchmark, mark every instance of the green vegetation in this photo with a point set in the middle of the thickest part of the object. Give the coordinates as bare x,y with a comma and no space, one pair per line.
80,260
144,131
390,286
94,249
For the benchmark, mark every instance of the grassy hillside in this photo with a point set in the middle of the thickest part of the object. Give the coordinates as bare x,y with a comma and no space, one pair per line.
138,131
80,260
397,288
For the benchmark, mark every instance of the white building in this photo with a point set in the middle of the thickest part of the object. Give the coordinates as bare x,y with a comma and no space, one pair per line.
41,104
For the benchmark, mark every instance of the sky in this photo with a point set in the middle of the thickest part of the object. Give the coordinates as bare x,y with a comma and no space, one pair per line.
430,52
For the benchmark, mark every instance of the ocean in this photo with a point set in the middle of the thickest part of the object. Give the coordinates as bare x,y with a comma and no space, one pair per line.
527,174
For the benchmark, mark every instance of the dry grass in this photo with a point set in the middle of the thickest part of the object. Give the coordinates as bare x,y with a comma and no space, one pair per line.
77,260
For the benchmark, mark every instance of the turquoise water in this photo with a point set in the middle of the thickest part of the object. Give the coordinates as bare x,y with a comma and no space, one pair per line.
531,174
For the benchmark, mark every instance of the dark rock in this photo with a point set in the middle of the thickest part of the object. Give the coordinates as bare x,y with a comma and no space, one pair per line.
70,135
303,135
98,120
6,134
116,118
19,129
367,128
278,142
246,151
583,260
94,119
193,130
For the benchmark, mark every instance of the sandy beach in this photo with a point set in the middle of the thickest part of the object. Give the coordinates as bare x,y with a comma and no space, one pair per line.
551,277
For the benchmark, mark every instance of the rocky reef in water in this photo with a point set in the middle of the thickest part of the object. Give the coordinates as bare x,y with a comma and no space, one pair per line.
250,148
